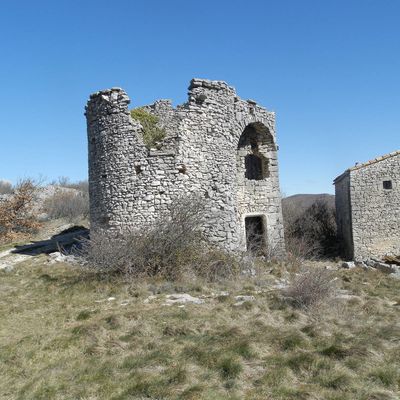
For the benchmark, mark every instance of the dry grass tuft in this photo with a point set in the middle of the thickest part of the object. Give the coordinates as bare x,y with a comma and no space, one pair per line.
310,288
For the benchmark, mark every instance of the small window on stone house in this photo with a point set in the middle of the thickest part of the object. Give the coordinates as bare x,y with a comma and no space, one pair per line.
387,185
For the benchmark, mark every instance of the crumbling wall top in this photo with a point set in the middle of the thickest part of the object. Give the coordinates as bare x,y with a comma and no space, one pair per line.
209,84
108,101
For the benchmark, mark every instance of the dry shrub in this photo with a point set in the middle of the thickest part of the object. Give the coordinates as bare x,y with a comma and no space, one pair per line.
171,248
70,205
310,288
299,249
17,216
213,264
311,233
64,181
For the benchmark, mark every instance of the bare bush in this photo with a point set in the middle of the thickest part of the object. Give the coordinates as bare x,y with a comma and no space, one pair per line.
311,287
171,248
17,214
299,249
311,233
65,182
82,186
70,205
60,181
6,187
213,264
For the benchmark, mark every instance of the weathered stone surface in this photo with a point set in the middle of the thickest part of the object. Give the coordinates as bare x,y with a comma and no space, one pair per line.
211,143
6,267
149,299
368,208
182,298
244,298
56,257
384,267
241,299
348,264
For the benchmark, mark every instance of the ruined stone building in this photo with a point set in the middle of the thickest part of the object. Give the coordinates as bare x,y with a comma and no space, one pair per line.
217,146
368,208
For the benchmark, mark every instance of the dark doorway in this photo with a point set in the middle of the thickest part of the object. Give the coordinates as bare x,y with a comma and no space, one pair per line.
255,234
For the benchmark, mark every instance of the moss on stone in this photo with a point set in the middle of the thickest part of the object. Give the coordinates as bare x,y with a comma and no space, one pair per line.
152,134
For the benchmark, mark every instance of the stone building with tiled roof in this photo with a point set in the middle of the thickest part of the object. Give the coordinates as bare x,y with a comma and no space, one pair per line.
368,208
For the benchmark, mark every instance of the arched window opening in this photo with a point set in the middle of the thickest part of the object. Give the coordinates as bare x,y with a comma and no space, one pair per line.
256,134
254,141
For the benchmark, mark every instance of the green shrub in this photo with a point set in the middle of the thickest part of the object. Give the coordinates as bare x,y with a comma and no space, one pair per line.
152,134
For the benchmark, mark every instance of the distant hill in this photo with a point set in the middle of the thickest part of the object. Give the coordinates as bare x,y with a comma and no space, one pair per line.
301,202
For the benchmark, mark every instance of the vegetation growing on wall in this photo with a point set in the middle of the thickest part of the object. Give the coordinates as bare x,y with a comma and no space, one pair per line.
152,134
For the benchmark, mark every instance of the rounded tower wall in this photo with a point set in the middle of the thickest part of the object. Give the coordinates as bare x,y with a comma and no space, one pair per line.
114,144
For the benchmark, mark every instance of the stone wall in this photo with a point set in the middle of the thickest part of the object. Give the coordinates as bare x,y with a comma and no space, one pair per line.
204,153
375,210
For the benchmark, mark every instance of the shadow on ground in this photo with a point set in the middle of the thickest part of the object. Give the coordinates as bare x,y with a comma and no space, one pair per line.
62,242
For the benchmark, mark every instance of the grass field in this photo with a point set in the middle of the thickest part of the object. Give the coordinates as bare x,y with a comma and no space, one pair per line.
66,334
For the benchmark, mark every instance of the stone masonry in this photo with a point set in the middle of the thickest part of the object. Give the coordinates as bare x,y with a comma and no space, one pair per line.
368,208
217,146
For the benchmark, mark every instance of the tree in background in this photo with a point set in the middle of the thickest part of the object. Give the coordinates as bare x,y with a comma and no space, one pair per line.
17,216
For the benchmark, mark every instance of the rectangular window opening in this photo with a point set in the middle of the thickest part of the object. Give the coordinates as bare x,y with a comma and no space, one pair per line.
387,185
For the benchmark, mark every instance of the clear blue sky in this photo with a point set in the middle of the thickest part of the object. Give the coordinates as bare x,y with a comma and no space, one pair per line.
329,69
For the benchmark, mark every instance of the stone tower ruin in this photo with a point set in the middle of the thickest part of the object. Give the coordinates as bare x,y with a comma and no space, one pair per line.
217,146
